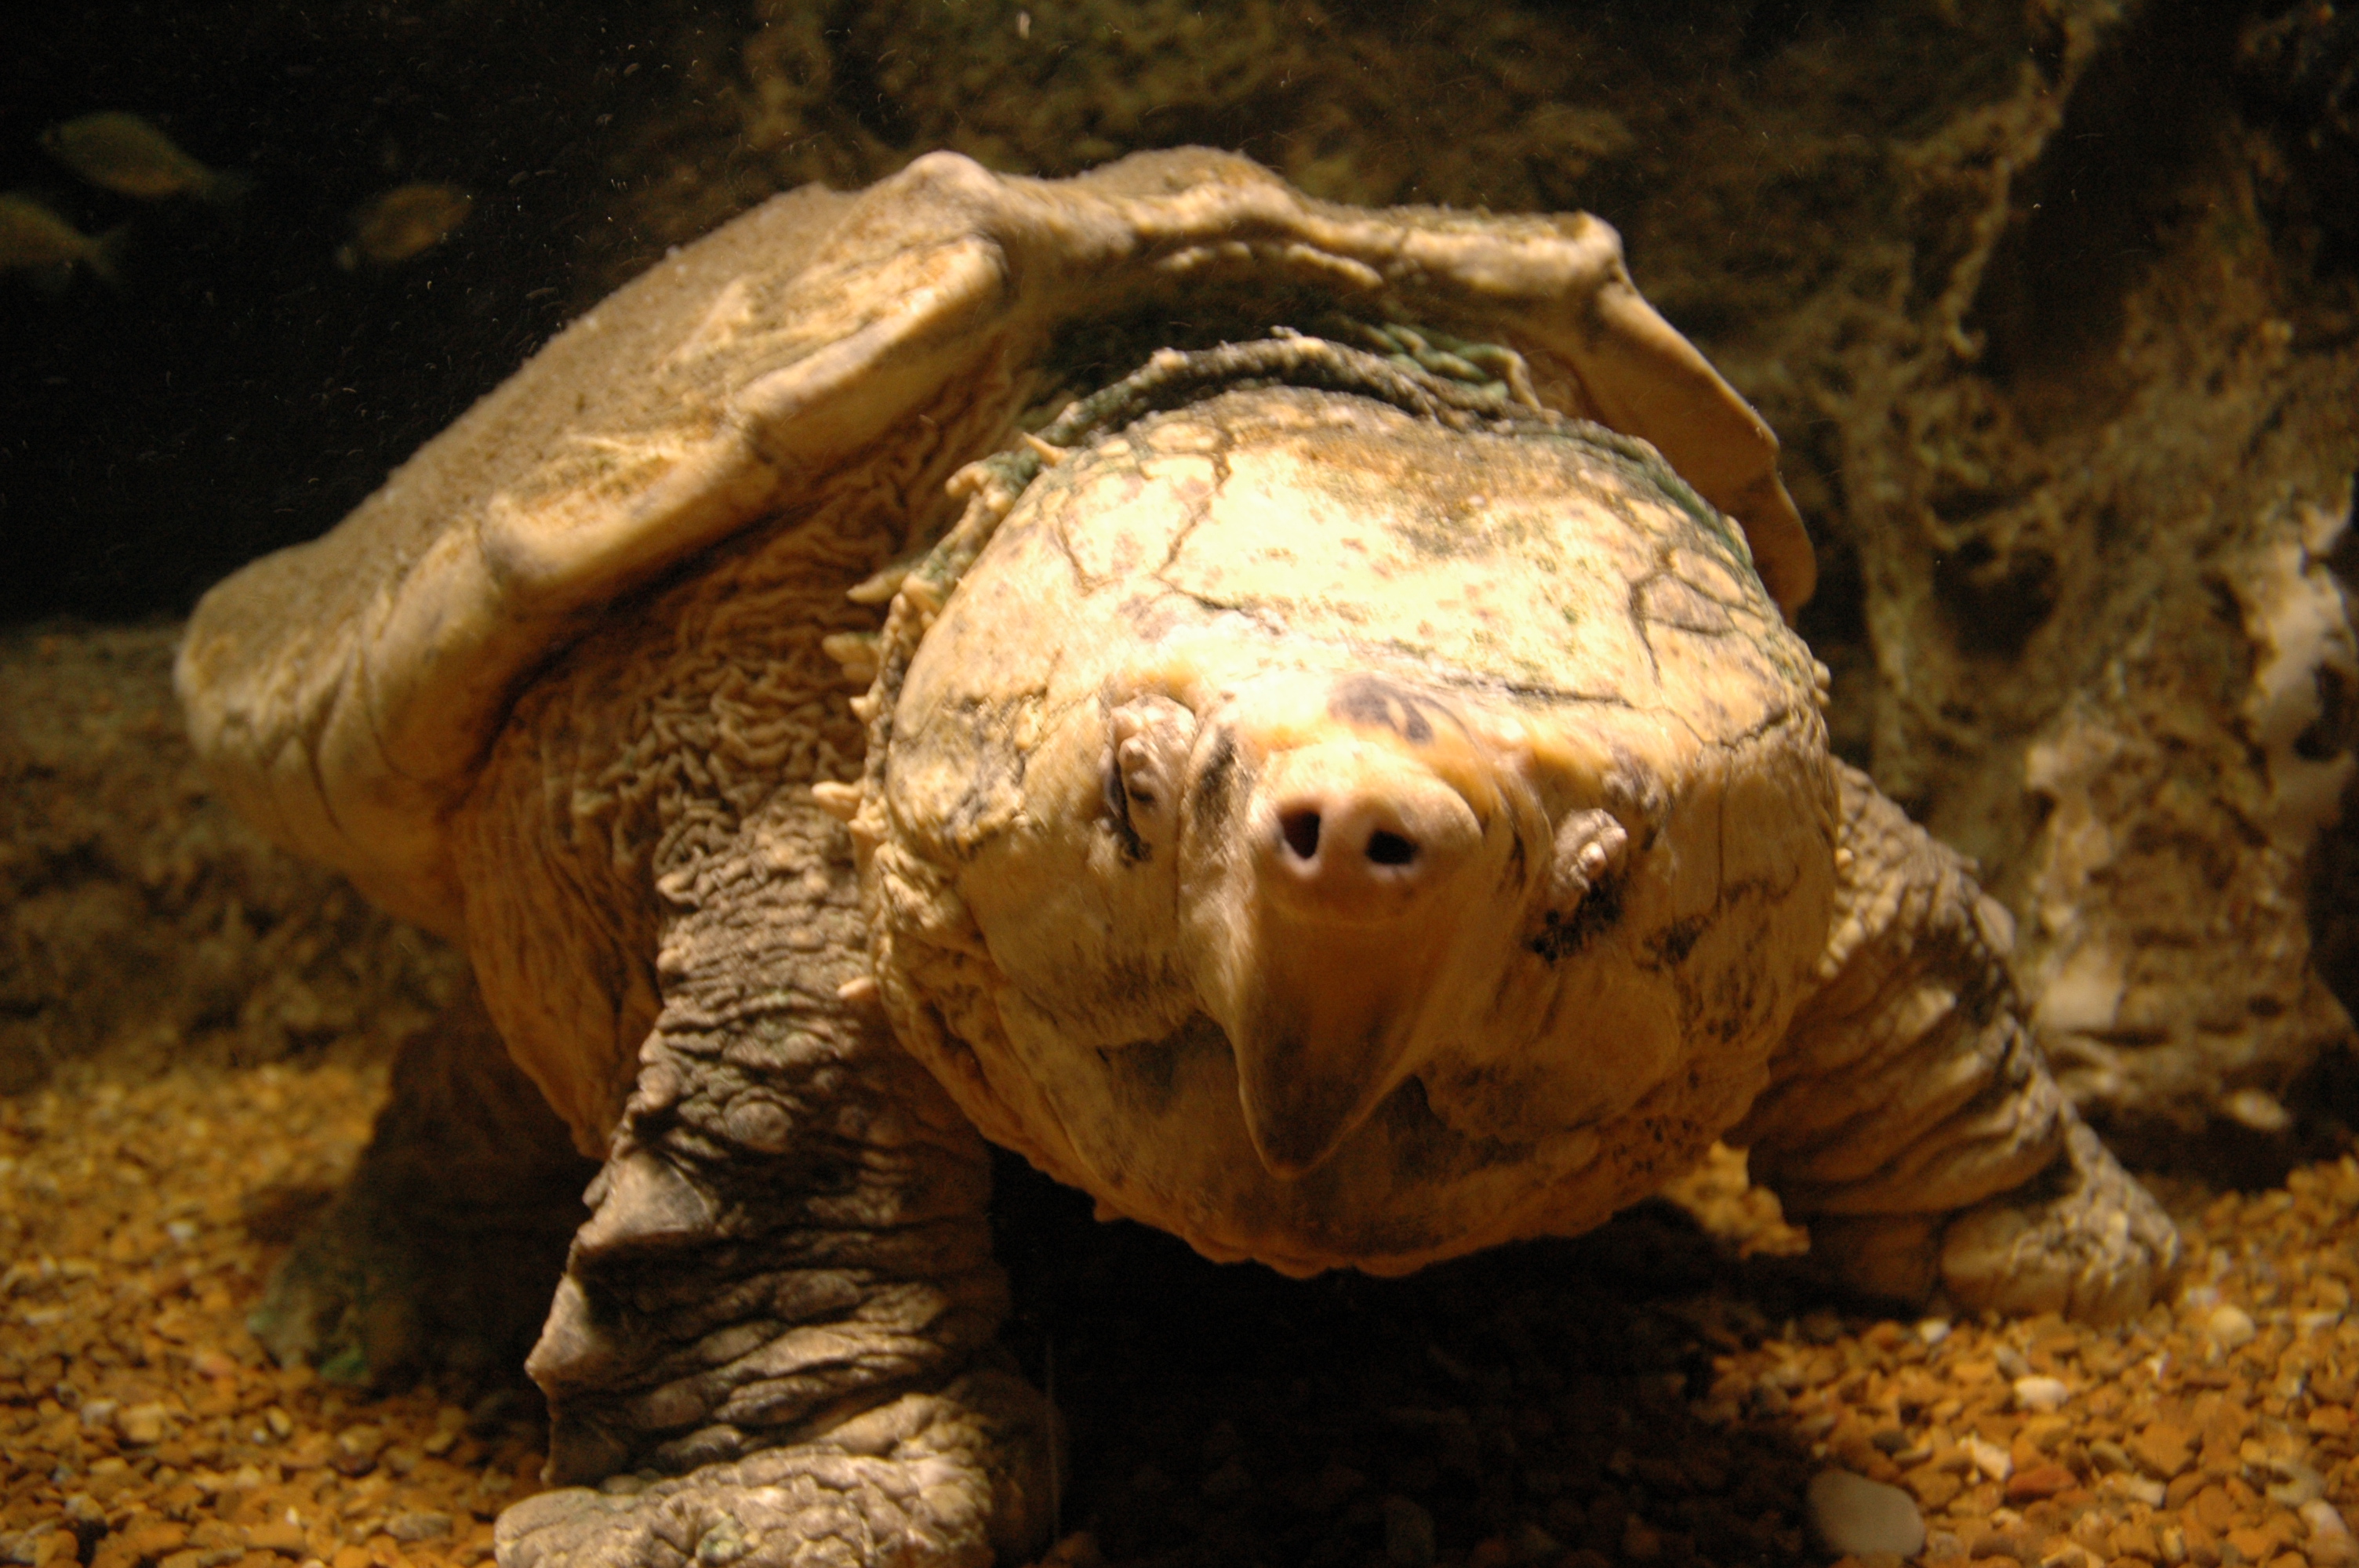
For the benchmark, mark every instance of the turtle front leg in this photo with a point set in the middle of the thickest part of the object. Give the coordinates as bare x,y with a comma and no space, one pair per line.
1911,1121
773,1342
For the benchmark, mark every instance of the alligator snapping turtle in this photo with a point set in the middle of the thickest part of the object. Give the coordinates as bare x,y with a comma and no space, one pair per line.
1333,783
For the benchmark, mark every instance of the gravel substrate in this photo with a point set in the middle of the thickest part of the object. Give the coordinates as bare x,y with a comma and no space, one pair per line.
1664,1392
143,1423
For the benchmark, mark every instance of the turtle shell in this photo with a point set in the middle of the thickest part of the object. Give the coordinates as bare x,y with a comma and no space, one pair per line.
346,692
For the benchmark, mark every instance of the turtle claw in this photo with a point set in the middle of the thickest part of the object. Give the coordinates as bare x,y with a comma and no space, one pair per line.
947,1480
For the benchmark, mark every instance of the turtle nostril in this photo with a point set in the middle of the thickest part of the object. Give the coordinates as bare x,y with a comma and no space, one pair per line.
1302,830
1347,833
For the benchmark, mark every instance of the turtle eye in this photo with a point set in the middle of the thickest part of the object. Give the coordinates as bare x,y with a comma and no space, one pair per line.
1148,750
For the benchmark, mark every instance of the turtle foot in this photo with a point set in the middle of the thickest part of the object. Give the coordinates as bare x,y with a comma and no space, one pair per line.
2087,1241
948,1480
2082,1239
345,1299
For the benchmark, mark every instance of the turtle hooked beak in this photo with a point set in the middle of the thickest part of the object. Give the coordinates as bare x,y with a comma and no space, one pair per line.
1345,905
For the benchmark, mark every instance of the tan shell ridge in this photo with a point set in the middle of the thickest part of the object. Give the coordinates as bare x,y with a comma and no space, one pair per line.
345,692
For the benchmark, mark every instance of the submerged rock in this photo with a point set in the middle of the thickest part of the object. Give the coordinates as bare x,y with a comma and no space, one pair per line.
1855,1516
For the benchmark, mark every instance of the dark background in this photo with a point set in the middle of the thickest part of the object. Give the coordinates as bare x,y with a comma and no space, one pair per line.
239,390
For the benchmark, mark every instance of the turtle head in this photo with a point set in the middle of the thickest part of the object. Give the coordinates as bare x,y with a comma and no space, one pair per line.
1295,831
1351,870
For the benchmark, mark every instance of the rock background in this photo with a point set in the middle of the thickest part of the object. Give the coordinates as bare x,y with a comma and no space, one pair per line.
140,921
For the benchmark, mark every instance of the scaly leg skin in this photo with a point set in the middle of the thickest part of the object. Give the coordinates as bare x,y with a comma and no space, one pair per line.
438,1254
777,1332
1910,1122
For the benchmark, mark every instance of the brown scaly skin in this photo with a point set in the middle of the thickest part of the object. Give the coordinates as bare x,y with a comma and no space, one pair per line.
1911,1121
774,1337
787,1285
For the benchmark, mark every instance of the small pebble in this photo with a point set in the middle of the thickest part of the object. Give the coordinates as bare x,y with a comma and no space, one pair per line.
2039,1481
1855,1516
2297,1483
275,1535
2231,1327
1989,1458
142,1424
2331,1545
1536,1545
1228,1483
361,1441
2041,1395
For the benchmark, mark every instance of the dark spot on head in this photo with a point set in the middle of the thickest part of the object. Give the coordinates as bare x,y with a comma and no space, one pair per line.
1118,810
1377,703
1145,1074
1218,777
1568,931
1678,939
1309,1100
1425,1148
1519,859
